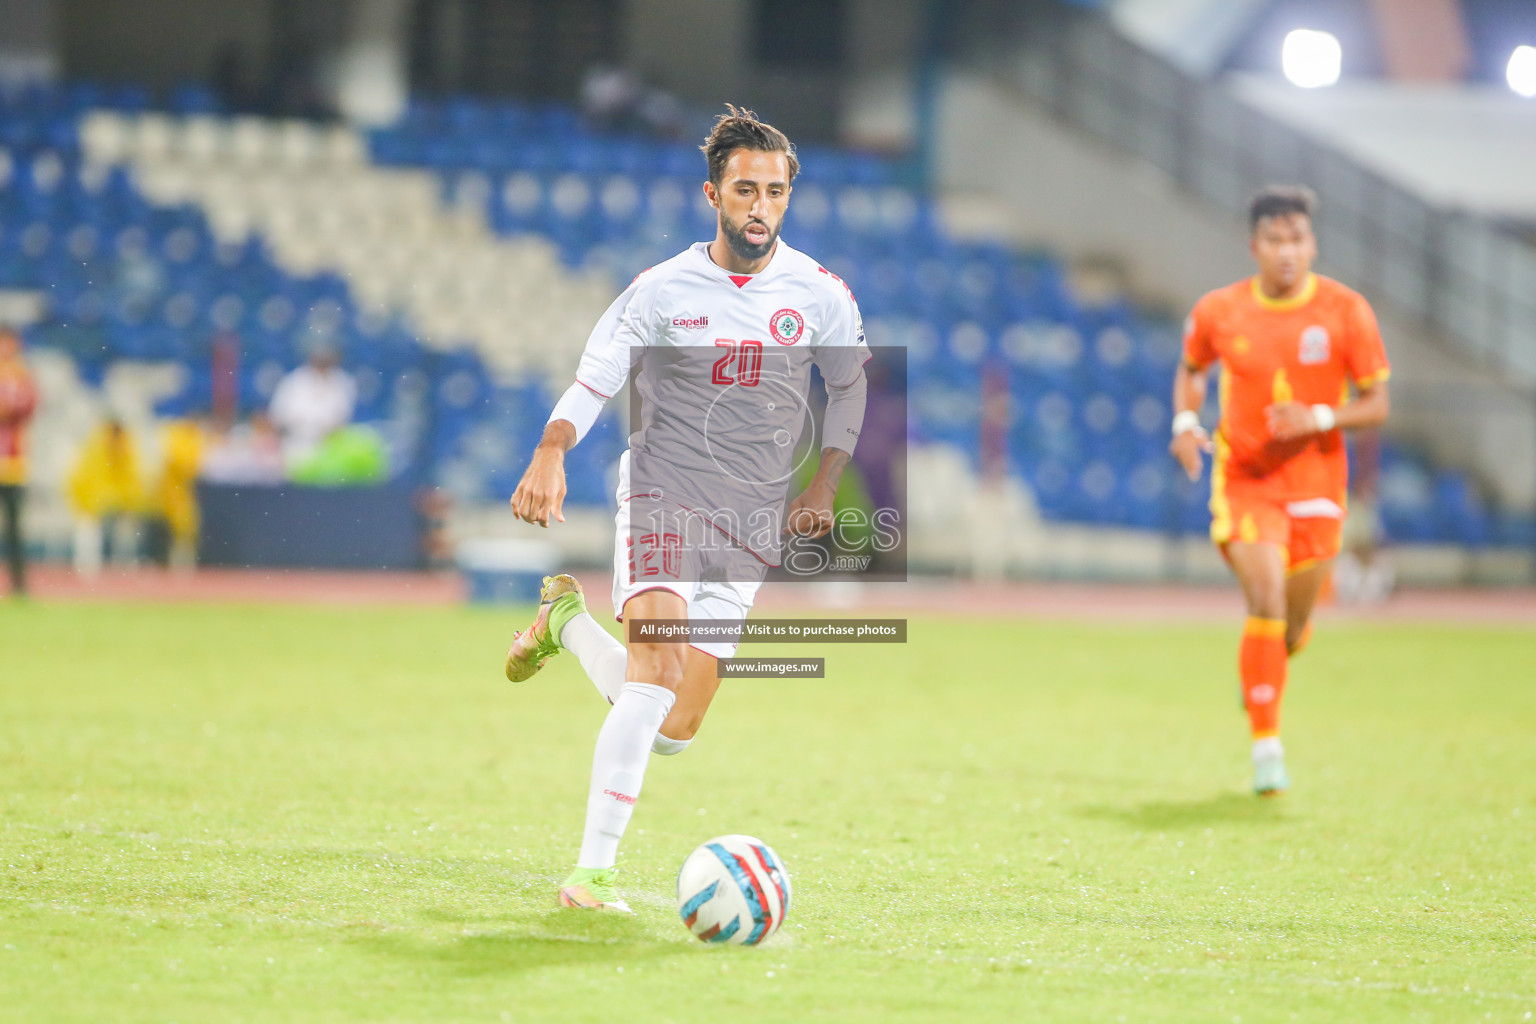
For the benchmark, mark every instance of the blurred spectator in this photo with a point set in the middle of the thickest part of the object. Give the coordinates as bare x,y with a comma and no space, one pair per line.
609,98
311,403
435,506
616,100
106,492
176,497
347,457
249,453
18,401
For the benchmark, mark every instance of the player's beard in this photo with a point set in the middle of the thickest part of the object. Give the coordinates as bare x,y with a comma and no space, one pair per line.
736,238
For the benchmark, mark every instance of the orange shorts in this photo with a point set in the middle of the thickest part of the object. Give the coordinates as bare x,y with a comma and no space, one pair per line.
1308,531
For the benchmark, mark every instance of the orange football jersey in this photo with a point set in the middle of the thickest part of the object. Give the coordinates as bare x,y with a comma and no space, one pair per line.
1305,349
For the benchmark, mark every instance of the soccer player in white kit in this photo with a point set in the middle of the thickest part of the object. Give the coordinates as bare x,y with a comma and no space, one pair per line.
723,335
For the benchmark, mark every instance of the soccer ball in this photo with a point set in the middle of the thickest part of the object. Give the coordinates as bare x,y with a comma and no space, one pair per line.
733,889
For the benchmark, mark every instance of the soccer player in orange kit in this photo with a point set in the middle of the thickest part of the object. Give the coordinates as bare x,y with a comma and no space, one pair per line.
1290,344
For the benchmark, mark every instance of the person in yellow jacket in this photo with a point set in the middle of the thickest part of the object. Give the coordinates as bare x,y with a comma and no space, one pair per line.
18,403
106,487
176,497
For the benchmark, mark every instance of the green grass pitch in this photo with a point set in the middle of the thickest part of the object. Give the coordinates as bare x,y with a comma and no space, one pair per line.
296,814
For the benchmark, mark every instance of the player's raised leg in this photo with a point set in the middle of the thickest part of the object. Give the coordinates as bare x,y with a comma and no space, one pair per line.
1301,590
560,599
1262,657
564,624
603,657
656,672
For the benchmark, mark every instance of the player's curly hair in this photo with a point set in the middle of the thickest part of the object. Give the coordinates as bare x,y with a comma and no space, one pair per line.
1280,201
740,129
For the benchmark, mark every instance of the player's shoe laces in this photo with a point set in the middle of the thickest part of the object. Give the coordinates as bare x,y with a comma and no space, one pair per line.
1269,777
559,602
593,889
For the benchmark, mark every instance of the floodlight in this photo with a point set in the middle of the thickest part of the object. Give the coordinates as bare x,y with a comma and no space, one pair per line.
1521,72
1310,58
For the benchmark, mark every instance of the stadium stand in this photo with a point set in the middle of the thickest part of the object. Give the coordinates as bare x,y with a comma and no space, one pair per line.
459,257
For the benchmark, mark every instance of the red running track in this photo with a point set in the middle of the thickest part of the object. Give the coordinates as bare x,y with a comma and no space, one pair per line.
1125,602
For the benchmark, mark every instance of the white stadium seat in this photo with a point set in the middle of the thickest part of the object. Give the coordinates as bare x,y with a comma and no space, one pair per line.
321,206
202,138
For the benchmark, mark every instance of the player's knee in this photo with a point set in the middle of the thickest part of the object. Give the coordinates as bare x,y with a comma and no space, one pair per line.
668,673
1267,604
667,746
661,664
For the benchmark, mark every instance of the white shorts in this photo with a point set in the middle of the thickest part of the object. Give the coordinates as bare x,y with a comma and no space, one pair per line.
710,599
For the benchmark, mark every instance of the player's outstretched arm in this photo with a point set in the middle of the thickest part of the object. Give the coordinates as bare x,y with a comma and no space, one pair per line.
1189,438
810,514
540,495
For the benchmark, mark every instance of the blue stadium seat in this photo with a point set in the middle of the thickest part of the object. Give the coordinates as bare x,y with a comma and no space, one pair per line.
1460,514
195,98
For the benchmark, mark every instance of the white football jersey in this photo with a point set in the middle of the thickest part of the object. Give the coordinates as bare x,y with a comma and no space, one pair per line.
723,366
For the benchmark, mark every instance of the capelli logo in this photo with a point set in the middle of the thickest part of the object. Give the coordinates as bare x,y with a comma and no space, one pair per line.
691,323
623,798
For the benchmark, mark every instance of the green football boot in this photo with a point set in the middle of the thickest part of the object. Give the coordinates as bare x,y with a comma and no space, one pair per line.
593,889
560,601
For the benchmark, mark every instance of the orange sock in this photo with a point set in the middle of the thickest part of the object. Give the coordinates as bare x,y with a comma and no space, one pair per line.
1261,663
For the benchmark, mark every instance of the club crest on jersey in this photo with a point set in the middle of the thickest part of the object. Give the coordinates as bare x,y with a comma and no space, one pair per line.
1314,345
786,326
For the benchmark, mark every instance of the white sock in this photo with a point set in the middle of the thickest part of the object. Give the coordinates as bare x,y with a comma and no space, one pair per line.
604,659
618,767
1266,748
666,746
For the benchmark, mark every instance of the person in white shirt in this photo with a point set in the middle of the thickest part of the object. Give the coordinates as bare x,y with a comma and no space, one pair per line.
245,454
311,402
724,335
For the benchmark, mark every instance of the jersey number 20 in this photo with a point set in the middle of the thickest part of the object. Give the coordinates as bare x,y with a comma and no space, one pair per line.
748,357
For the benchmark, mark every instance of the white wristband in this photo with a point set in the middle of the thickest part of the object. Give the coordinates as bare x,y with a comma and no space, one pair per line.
1324,417
580,406
1187,420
